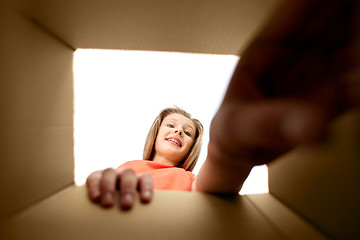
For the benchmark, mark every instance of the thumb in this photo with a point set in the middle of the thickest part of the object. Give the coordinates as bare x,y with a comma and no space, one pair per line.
274,123
303,123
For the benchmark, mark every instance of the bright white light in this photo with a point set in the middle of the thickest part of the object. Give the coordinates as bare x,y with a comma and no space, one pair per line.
257,182
118,94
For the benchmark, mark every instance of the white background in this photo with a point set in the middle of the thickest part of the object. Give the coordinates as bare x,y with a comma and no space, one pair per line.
118,94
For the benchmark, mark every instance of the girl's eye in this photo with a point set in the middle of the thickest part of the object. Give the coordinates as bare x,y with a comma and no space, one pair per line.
187,133
170,125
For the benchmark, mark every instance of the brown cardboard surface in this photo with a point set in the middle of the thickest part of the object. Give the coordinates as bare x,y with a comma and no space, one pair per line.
289,224
36,97
171,215
36,102
198,26
322,183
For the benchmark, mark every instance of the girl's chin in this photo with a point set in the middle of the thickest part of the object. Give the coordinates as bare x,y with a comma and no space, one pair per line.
175,158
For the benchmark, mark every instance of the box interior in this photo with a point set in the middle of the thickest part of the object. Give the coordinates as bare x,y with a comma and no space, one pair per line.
313,191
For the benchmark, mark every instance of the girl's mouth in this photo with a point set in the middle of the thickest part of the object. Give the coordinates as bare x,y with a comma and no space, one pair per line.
175,141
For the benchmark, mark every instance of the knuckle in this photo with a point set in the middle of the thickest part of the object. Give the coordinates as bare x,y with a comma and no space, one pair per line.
128,189
128,172
128,181
93,178
107,188
108,181
146,180
108,171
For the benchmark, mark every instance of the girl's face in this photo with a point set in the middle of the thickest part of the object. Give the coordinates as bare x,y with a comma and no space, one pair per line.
174,140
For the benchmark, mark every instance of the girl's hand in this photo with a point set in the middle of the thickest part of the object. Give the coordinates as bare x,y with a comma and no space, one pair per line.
103,185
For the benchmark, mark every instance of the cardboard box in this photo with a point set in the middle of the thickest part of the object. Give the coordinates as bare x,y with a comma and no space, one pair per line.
314,193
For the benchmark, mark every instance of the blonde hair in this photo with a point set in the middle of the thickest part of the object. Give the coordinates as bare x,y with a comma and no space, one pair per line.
190,160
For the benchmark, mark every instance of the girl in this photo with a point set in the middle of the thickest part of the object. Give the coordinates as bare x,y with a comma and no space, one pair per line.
171,151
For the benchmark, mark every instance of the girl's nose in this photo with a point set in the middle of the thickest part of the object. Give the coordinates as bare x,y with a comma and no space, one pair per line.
180,132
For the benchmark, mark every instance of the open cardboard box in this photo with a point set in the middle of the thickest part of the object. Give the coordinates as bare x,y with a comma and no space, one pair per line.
314,192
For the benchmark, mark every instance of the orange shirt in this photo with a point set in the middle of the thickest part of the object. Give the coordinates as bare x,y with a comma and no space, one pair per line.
165,177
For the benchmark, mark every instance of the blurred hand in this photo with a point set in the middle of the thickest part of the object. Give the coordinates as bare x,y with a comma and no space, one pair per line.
105,184
298,75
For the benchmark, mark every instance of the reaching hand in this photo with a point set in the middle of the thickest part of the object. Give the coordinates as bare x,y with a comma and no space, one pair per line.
104,185
295,78
299,74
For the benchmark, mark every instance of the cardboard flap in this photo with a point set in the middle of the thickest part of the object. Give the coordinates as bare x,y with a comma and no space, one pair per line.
196,26
36,102
287,222
69,214
321,183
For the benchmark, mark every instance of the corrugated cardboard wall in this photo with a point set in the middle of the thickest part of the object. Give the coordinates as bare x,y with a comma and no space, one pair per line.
172,215
37,42
197,26
36,95
321,183
36,99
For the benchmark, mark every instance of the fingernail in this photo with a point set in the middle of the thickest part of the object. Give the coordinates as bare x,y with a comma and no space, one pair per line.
147,194
107,200
94,195
127,199
305,125
294,126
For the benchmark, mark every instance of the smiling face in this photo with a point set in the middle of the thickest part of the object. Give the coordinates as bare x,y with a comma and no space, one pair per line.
174,139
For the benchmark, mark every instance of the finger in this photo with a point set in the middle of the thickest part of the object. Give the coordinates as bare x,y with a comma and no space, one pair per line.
303,123
128,184
145,183
266,127
107,187
300,48
351,82
275,123
93,185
